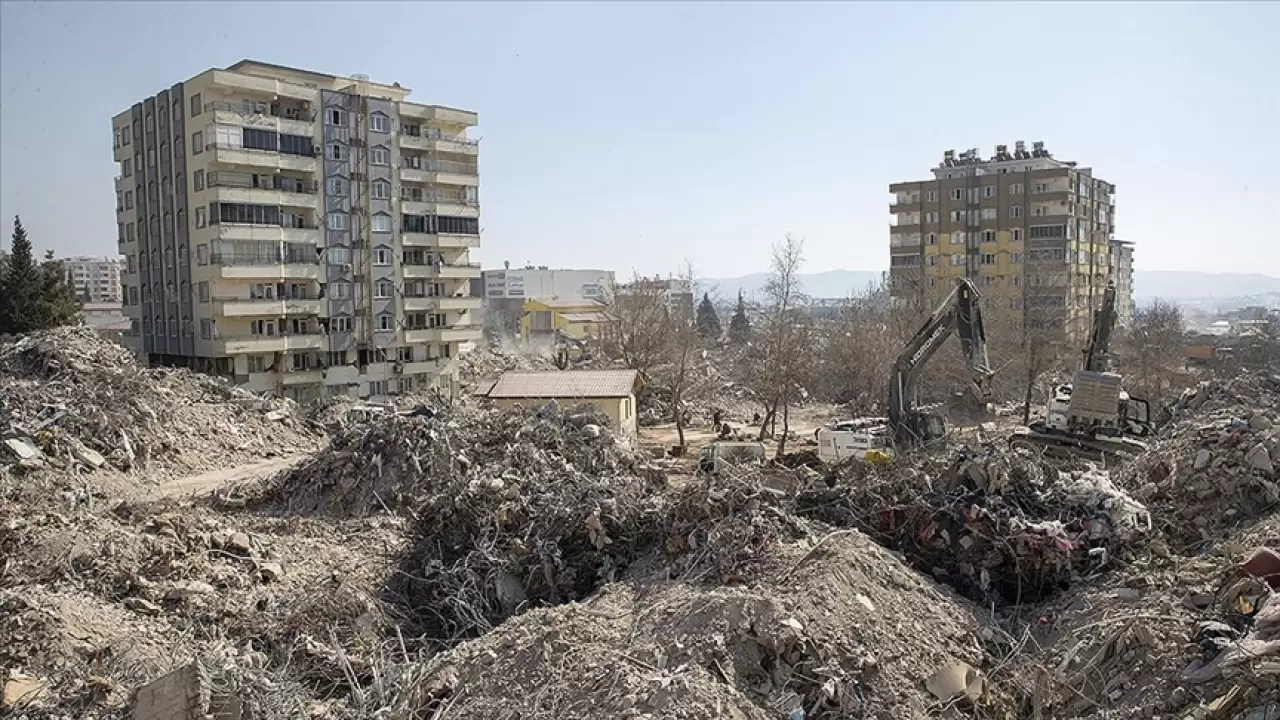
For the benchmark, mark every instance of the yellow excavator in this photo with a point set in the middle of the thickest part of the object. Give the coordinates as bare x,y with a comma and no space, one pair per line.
570,351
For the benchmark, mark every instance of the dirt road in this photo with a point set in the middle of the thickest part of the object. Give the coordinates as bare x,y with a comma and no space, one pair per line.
194,485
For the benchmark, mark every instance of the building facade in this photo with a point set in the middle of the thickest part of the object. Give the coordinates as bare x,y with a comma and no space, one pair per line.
1036,234
304,233
95,279
507,290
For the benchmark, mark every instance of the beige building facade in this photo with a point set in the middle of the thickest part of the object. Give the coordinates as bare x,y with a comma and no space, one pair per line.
94,279
303,233
1037,235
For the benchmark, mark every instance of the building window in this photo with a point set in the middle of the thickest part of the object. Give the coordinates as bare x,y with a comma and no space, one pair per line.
1015,234
203,289
339,256
383,289
197,143
126,168
198,178
335,116
382,256
957,238
202,252
125,135
151,157
989,213
957,260
380,156
129,232
196,107
1015,211
931,196
933,260
381,223
338,221
377,387
206,328
1040,187
1015,189
989,191
336,151
957,193
337,187
201,217
932,238
988,236
380,190
128,199
957,216
340,291
257,363
386,321
988,258
380,123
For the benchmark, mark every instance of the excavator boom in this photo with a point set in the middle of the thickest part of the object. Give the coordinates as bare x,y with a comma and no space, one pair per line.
961,313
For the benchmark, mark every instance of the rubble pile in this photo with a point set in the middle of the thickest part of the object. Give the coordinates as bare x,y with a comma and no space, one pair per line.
1216,465
1002,527
488,363
821,632
397,461
70,399
519,508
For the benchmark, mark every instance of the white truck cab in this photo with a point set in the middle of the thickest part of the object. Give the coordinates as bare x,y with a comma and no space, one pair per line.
855,439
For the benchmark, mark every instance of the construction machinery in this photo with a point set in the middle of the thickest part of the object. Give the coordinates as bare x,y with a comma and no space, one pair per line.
570,351
1092,416
716,456
907,424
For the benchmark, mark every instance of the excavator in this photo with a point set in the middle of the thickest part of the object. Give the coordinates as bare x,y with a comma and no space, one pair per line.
570,351
908,425
1092,416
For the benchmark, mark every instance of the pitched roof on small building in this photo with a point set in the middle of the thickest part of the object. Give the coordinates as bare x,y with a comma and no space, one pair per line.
585,317
566,384
555,303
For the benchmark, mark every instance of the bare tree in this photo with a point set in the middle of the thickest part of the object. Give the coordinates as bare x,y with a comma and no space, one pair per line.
784,341
638,322
1151,354
682,336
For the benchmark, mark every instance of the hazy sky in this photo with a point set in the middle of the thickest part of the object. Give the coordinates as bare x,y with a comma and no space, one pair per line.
631,136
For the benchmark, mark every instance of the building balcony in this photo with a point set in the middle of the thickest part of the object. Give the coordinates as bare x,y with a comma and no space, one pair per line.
441,304
453,207
232,266
265,344
238,188
439,114
456,333
456,271
441,240
262,86
437,142
249,307
441,172
302,377
268,233
291,119
234,156
422,367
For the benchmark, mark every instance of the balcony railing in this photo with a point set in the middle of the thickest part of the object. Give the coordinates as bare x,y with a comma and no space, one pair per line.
437,134
223,145
249,108
251,259
437,196
250,182
447,166
474,265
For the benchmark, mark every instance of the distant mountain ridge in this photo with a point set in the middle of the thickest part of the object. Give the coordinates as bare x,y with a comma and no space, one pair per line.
1167,284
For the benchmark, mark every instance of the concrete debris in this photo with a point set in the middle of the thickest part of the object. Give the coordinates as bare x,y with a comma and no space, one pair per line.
21,691
72,397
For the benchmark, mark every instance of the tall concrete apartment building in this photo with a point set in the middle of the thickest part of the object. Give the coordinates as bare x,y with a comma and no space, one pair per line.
1037,235
95,279
304,233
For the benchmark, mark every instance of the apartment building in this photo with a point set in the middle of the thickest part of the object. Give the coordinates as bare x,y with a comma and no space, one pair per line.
95,279
304,233
1037,234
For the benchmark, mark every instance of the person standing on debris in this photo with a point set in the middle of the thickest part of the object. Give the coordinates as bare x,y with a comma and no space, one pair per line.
716,418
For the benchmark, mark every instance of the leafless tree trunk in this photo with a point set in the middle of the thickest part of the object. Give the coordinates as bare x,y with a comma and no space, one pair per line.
682,335
639,317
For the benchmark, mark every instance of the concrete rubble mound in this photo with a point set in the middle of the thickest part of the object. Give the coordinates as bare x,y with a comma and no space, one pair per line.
72,399
820,630
1216,464
1002,527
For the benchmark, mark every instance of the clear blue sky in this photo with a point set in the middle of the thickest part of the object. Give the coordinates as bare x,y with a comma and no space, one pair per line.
632,136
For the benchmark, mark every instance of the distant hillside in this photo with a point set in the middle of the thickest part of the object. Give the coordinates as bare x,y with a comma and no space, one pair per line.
1169,284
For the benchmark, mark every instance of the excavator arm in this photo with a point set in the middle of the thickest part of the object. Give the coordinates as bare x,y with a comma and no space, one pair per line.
960,313
1097,355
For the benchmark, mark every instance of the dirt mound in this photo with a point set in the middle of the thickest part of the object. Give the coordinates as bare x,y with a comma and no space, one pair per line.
825,633
1216,465
1001,527
70,399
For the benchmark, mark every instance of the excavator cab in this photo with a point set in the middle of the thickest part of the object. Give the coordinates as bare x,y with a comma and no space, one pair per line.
922,428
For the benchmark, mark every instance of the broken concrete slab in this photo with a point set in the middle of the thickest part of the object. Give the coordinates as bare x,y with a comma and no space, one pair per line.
271,571
20,691
23,448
